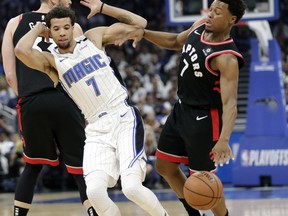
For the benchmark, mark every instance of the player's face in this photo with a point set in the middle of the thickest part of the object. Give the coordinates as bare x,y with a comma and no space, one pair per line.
61,31
64,3
219,18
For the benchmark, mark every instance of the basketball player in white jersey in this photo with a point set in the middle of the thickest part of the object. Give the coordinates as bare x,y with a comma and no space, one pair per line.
115,134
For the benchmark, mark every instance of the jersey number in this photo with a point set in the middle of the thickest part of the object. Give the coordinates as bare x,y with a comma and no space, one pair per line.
92,82
184,68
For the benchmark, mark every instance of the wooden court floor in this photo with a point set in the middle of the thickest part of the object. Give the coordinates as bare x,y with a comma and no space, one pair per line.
240,201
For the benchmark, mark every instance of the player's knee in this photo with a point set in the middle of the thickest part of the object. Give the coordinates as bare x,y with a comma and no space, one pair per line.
33,168
131,191
131,185
96,186
94,191
165,168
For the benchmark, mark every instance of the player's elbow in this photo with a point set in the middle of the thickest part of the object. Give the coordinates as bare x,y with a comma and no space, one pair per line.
9,78
140,21
143,23
21,52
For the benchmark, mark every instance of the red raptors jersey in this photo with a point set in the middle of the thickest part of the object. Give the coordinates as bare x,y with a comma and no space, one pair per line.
29,80
198,84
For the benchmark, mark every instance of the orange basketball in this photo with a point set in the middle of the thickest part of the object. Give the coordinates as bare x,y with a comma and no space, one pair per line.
203,190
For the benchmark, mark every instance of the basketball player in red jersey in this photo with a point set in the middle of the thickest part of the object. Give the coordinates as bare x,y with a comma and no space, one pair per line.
198,130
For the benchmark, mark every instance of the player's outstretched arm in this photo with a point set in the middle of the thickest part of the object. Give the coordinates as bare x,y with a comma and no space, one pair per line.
102,36
41,61
96,6
170,41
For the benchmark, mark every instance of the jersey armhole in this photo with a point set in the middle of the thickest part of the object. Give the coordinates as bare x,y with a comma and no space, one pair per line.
20,17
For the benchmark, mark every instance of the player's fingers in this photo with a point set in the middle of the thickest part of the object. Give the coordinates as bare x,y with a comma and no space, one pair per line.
91,14
227,159
221,160
135,42
211,155
84,2
216,159
232,156
118,42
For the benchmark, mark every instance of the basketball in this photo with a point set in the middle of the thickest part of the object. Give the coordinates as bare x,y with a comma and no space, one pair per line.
203,190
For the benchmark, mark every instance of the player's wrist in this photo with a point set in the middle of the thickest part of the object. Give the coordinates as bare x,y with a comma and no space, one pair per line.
101,8
144,32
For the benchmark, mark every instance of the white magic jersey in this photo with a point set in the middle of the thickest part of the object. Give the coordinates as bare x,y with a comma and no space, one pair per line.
89,80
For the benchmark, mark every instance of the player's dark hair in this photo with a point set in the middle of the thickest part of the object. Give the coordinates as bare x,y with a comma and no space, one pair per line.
236,7
60,12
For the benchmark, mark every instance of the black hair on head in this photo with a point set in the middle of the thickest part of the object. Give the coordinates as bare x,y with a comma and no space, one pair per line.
236,8
60,12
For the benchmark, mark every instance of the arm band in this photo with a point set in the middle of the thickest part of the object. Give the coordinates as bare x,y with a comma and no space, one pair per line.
101,8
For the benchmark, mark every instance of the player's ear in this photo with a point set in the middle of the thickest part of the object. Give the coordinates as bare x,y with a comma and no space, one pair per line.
233,19
48,36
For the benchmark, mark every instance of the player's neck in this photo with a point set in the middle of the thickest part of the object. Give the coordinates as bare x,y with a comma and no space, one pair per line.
216,37
44,8
69,49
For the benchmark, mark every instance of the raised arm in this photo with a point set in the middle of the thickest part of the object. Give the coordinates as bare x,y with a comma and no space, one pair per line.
124,16
102,36
41,61
167,40
172,41
8,54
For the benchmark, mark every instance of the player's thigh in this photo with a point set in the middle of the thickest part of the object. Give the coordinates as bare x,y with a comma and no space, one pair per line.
100,151
35,129
69,131
198,136
130,139
171,146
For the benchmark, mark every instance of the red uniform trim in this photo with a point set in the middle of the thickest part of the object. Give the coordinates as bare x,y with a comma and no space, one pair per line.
18,109
40,161
215,43
74,170
216,73
20,17
171,158
215,124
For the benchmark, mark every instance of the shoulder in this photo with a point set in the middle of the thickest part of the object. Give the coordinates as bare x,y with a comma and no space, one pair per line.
198,23
13,23
95,35
77,30
225,61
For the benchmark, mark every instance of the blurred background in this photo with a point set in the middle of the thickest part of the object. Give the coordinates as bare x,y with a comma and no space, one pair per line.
259,140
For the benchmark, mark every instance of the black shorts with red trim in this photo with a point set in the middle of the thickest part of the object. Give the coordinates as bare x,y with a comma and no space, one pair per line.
51,125
189,135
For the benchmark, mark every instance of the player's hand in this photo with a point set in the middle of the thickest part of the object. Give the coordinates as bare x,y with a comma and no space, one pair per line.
94,5
43,31
135,35
221,153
